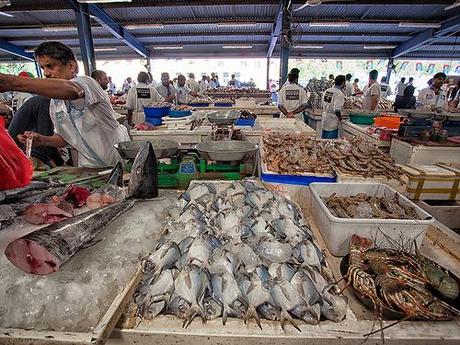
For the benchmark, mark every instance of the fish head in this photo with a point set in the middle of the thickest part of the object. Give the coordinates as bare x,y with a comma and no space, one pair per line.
144,176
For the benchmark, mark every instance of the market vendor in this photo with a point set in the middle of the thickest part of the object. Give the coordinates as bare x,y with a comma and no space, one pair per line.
141,95
433,95
371,93
183,91
166,90
292,97
192,83
80,111
348,86
385,88
333,101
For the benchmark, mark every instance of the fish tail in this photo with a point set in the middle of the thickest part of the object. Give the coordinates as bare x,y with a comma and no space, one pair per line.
251,313
192,313
284,316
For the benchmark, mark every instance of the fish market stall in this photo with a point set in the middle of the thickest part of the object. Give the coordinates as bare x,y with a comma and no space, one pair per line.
365,132
259,110
412,151
440,245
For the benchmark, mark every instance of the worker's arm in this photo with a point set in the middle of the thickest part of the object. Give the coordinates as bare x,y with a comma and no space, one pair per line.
51,88
283,109
374,102
42,140
299,109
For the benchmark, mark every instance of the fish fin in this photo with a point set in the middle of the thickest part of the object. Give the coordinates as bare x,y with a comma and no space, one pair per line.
116,176
251,287
192,312
188,281
285,293
251,313
284,316
224,316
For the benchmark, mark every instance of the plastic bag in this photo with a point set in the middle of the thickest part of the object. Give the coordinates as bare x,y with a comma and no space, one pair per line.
15,169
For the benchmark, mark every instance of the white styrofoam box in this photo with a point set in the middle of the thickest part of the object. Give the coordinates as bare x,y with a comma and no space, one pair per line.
245,103
447,213
406,153
338,231
432,182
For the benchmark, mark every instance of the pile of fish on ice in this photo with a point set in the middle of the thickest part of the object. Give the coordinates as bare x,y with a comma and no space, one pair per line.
237,250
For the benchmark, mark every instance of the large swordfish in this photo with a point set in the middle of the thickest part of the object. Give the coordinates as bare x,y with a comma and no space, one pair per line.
44,251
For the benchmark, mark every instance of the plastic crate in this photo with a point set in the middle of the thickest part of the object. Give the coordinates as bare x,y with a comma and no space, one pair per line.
301,180
338,231
245,122
179,113
223,105
156,121
361,119
156,112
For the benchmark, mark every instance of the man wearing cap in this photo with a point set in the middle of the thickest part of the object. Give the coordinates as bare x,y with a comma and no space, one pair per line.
19,98
292,97
434,95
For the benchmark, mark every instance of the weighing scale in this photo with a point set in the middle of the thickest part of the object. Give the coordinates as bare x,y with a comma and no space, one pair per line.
222,160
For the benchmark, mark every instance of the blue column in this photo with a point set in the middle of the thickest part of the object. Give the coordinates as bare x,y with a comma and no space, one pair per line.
85,37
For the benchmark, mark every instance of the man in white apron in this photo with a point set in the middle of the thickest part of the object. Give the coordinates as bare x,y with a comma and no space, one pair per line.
372,92
292,97
333,101
79,109
434,95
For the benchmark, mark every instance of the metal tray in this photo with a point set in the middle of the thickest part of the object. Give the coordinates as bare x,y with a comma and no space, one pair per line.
227,151
228,118
163,148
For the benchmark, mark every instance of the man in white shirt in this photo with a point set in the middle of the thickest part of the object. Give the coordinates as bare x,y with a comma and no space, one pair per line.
204,85
183,91
166,89
112,87
79,109
292,97
385,88
333,101
371,93
141,95
192,83
400,87
433,95
411,82
348,86
234,83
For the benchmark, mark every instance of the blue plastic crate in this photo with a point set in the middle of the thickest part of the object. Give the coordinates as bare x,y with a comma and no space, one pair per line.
223,105
199,105
245,122
295,179
156,121
179,113
156,112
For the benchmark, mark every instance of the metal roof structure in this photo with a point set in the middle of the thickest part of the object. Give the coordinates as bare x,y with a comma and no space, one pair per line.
241,28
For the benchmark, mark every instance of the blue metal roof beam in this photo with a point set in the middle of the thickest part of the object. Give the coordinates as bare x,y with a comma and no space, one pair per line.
429,36
276,28
116,29
15,50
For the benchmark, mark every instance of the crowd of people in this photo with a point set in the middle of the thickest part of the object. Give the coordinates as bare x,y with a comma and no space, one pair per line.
439,94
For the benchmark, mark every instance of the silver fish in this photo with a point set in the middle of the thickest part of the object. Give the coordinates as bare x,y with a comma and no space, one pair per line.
282,270
226,291
269,312
287,299
307,253
223,261
192,285
273,251
288,230
202,248
164,257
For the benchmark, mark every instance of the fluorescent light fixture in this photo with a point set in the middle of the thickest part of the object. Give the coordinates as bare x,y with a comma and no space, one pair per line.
29,50
105,49
308,46
144,26
419,25
101,1
168,47
58,28
378,47
236,24
6,14
237,47
454,5
330,24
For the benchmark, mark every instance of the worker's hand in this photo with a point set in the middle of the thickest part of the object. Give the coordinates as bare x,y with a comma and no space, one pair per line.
37,139
4,82
290,114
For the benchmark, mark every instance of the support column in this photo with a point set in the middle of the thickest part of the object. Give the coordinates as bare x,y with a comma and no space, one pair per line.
285,44
39,70
389,69
268,73
85,37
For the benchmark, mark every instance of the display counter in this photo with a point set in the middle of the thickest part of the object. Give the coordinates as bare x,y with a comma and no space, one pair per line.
351,129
